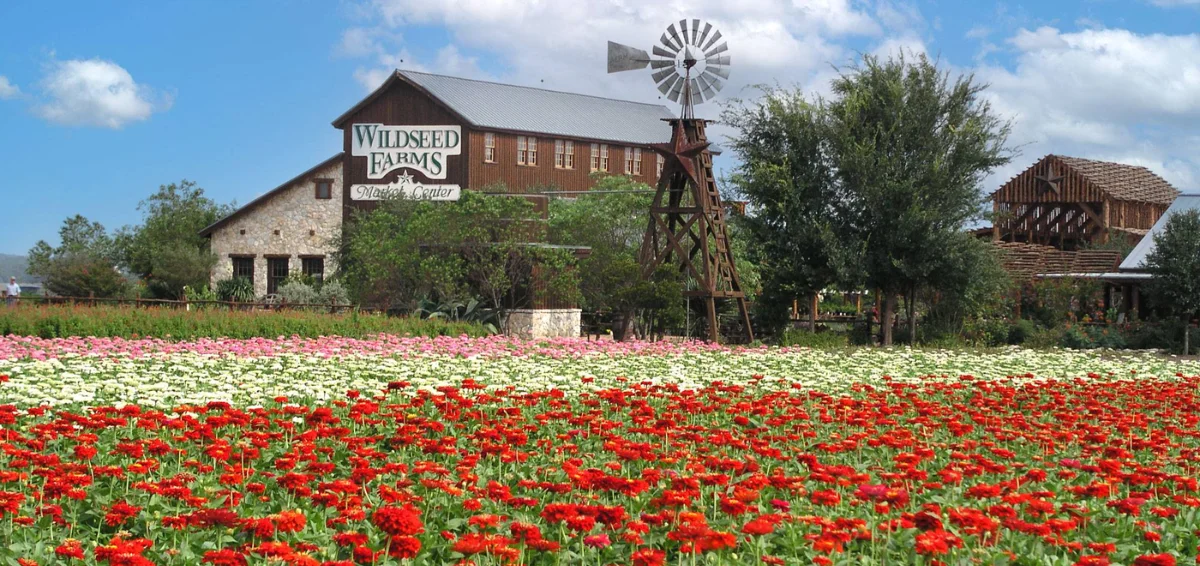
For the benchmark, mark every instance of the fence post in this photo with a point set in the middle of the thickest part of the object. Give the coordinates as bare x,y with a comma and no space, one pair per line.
92,297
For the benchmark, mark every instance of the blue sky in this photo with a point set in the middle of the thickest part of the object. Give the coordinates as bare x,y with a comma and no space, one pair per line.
102,102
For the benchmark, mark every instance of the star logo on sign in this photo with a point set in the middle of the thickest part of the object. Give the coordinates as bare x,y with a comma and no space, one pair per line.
404,179
681,153
1050,180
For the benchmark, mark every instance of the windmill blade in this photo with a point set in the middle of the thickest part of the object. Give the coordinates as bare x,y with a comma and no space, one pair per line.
703,34
695,30
662,74
717,50
662,63
675,36
718,61
626,58
711,74
675,90
666,86
715,38
683,31
706,87
664,53
694,89
666,42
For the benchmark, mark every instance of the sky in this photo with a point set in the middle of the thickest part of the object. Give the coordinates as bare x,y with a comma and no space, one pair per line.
102,102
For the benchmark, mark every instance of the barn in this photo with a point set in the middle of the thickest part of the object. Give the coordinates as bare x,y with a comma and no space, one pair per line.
430,136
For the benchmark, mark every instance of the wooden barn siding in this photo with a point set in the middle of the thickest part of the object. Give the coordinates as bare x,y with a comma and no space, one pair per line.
527,178
405,105
1025,190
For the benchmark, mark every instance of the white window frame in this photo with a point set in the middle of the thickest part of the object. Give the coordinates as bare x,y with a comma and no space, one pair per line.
522,150
661,163
594,163
637,161
629,161
532,161
489,147
603,157
559,154
569,155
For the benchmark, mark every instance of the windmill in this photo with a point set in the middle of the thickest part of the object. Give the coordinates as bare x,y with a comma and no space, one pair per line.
687,221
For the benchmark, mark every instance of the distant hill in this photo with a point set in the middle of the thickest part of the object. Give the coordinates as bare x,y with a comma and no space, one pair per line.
14,265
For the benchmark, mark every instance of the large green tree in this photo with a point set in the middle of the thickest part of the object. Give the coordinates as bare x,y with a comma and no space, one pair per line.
166,250
910,147
786,174
1174,264
83,264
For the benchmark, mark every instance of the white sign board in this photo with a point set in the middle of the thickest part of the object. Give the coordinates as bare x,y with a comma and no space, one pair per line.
405,188
421,148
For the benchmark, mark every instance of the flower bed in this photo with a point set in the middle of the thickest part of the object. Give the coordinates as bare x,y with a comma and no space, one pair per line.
500,452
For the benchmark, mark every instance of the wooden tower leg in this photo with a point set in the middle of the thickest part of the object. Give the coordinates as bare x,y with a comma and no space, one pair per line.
714,326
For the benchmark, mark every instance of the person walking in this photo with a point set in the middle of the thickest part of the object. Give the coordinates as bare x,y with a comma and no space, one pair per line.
13,291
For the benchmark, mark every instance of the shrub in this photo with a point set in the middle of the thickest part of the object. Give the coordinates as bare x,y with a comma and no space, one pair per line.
297,293
61,321
1020,331
238,289
822,340
333,292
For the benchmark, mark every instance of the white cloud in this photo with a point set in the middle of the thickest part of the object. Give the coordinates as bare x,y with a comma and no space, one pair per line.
1103,94
95,92
1171,3
560,45
7,89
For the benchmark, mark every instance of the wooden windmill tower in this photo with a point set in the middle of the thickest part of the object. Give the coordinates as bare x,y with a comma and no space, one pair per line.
687,220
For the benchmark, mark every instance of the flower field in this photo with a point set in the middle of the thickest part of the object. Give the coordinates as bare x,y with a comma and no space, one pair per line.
492,451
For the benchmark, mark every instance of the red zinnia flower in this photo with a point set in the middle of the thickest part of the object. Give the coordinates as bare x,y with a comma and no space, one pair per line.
1163,559
648,557
398,521
404,547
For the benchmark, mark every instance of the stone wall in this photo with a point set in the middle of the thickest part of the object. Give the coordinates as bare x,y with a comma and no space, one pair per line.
543,323
292,222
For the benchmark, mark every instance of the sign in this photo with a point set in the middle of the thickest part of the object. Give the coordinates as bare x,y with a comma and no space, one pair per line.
405,188
421,148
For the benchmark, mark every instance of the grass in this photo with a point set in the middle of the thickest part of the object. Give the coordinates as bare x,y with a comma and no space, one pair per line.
61,321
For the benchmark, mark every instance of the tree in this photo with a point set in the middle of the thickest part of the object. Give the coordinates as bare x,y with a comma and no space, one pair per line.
787,176
479,246
166,250
909,149
83,264
1174,264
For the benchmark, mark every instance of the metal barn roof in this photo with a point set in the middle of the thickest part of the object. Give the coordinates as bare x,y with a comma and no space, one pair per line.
489,105
1137,258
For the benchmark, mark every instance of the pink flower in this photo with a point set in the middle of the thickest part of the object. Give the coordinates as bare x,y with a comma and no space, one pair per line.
597,541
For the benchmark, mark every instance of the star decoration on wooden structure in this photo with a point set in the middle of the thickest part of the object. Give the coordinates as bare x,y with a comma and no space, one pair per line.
1050,180
680,152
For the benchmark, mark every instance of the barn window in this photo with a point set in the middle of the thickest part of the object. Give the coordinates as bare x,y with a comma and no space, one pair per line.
313,267
603,157
595,161
560,154
661,161
244,267
629,161
489,148
569,154
277,272
324,189
526,150
637,161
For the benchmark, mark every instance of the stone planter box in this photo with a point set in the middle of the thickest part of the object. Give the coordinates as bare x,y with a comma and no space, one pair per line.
543,323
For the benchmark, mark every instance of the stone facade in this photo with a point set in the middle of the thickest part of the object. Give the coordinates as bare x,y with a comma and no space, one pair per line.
543,323
287,222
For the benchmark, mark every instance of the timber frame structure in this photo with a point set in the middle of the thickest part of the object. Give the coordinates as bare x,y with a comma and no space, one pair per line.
1066,202
687,225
